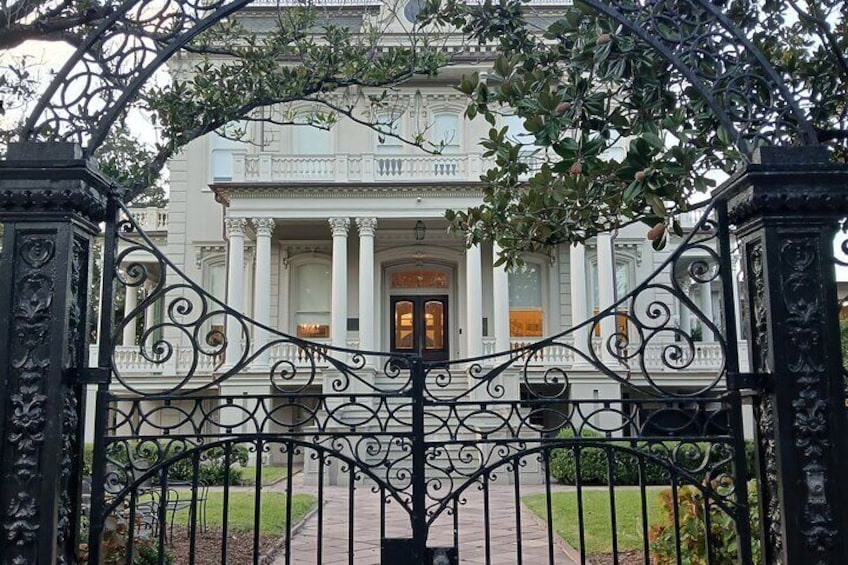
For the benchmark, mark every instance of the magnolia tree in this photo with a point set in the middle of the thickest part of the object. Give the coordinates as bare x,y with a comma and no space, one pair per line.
229,74
581,84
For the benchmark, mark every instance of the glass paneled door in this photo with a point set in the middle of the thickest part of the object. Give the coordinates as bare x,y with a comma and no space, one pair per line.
420,325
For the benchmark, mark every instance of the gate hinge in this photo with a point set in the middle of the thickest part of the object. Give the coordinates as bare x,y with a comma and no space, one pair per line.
746,381
89,375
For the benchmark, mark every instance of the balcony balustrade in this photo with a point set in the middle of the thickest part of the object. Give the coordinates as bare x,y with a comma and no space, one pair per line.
151,219
706,357
341,168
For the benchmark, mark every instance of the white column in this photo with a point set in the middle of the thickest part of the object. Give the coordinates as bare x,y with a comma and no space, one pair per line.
338,305
130,303
150,311
500,291
685,312
606,294
262,286
235,285
474,298
367,228
579,297
706,290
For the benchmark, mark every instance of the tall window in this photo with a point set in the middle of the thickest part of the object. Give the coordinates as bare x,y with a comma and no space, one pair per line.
216,277
526,318
445,133
225,145
623,284
312,300
388,126
311,140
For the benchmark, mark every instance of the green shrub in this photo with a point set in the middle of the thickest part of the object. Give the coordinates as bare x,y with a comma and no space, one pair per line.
87,458
211,469
594,461
693,531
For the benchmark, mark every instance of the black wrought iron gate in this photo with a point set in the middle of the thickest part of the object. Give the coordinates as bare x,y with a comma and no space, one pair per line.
428,440
445,453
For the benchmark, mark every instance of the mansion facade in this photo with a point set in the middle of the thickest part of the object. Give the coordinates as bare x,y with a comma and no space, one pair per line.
338,236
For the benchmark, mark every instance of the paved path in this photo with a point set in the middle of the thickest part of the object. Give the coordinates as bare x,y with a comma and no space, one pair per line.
503,548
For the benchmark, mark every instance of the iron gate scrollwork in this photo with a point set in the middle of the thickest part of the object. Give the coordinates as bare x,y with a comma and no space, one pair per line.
433,443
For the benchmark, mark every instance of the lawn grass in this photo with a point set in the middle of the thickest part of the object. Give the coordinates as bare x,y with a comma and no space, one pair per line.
272,515
596,517
270,475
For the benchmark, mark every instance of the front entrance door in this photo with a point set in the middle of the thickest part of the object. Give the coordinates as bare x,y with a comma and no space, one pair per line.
419,324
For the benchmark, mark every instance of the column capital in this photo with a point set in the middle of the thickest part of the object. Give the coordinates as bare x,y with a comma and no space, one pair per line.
235,226
339,226
263,226
367,226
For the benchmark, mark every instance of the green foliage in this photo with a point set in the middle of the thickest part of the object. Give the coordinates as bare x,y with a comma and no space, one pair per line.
595,467
693,531
584,84
595,464
211,469
87,459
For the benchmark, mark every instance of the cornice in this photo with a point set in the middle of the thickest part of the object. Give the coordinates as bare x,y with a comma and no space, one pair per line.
226,192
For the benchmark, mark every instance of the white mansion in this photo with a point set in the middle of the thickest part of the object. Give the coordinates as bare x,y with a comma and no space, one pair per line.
339,236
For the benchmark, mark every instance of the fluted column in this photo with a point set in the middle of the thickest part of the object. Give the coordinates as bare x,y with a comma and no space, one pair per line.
235,285
130,304
367,228
579,296
262,286
606,294
338,305
500,291
474,298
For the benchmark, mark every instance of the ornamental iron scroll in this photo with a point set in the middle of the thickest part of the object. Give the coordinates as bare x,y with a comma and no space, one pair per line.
112,64
659,327
426,435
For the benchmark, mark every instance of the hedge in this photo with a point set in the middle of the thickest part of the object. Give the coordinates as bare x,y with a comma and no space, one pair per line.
595,467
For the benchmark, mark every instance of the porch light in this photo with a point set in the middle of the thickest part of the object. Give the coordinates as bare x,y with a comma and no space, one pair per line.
420,230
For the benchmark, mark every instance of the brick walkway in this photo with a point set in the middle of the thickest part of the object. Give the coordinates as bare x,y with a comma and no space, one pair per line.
472,547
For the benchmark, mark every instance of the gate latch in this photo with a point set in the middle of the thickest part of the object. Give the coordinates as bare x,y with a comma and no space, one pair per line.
747,381
89,375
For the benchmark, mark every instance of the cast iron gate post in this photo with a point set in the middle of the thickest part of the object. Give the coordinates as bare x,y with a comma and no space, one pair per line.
49,203
786,207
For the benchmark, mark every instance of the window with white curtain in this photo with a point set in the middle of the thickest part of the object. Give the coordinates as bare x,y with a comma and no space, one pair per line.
311,140
216,285
445,133
226,144
623,282
312,285
623,285
526,315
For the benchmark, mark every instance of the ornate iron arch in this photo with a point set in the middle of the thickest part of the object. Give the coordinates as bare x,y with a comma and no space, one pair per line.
108,70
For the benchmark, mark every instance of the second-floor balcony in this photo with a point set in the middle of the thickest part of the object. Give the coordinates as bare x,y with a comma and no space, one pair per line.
342,168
